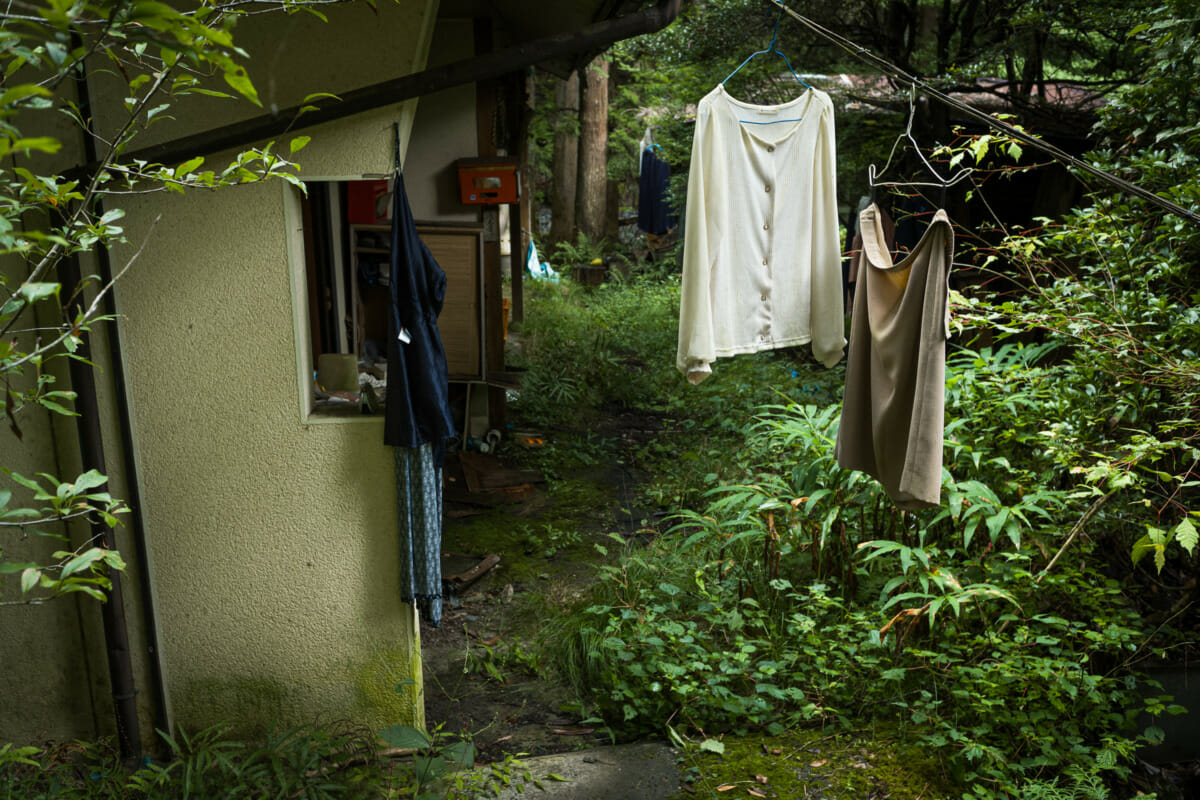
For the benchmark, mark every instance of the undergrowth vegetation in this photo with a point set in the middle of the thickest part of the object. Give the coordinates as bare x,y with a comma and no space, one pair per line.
800,596
1002,631
338,761
1007,631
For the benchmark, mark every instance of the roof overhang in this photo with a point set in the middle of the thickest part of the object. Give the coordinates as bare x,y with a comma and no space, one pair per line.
564,34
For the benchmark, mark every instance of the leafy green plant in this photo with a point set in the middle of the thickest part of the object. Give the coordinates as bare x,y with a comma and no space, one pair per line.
304,762
582,251
800,594
1156,540
550,538
432,761
309,762
47,218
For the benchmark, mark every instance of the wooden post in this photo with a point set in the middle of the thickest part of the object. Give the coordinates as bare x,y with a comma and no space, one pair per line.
516,262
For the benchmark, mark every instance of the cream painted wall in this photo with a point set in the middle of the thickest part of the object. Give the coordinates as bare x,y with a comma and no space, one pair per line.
292,56
443,133
273,540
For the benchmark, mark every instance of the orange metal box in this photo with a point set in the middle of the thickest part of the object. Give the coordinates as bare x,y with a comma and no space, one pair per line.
488,181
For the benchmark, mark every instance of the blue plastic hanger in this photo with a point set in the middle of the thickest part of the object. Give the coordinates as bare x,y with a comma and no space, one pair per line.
771,48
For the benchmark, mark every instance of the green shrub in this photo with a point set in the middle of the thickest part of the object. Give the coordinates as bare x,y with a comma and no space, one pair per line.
800,595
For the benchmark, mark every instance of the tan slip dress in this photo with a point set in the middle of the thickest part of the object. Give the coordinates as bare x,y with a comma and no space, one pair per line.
893,412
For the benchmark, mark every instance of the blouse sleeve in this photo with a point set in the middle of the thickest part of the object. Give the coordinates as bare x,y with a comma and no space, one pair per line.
696,350
827,314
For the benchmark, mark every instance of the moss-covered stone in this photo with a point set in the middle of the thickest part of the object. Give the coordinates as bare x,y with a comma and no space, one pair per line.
816,765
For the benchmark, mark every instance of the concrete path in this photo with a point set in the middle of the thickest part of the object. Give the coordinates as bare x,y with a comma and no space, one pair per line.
643,771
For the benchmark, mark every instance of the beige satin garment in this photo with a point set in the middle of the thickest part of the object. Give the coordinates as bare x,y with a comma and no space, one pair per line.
893,413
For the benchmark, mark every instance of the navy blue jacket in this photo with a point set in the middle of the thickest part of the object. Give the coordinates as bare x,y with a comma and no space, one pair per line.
418,402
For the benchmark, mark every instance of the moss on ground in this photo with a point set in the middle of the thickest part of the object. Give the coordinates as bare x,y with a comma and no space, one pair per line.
814,765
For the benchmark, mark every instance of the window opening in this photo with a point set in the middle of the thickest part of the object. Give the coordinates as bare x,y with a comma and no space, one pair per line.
347,260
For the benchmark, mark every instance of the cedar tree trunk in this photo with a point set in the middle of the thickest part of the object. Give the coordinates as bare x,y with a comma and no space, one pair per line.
592,191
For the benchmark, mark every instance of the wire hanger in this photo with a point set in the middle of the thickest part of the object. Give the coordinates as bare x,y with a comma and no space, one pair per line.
771,48
942,183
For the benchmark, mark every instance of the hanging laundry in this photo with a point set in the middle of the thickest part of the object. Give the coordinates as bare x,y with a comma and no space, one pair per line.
417,419
893,412
655,214
647,140
855,260
762,255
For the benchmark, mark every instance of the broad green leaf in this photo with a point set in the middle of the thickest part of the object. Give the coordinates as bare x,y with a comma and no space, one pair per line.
28,483
43,144
15,514
996,523
56,408
18,93
405,736
89,590
89,480
1185,534
239,80
29,579
82,561
299,142
5,496
37,291
979,148
188,166
461,754
713,746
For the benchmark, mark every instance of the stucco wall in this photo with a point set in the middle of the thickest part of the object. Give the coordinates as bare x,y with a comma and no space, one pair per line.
444,132
273,540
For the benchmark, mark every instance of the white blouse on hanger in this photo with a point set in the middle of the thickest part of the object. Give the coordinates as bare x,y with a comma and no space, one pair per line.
762,254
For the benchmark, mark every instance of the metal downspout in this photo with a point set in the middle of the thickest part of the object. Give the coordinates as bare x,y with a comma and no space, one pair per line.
116,632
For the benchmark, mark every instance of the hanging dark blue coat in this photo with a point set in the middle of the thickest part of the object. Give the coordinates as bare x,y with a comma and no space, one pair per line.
655,214
417,411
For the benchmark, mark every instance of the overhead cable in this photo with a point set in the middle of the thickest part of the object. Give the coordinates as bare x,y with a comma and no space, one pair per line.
1056,153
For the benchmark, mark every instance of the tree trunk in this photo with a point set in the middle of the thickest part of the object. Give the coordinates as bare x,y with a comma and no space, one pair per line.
566,161
592,190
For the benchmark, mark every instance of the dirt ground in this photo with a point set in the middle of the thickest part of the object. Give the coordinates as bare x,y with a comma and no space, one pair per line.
484,677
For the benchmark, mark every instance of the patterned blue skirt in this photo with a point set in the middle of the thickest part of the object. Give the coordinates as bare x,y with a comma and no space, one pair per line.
419,514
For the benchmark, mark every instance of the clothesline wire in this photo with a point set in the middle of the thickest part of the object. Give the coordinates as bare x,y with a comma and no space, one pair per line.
1056,153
